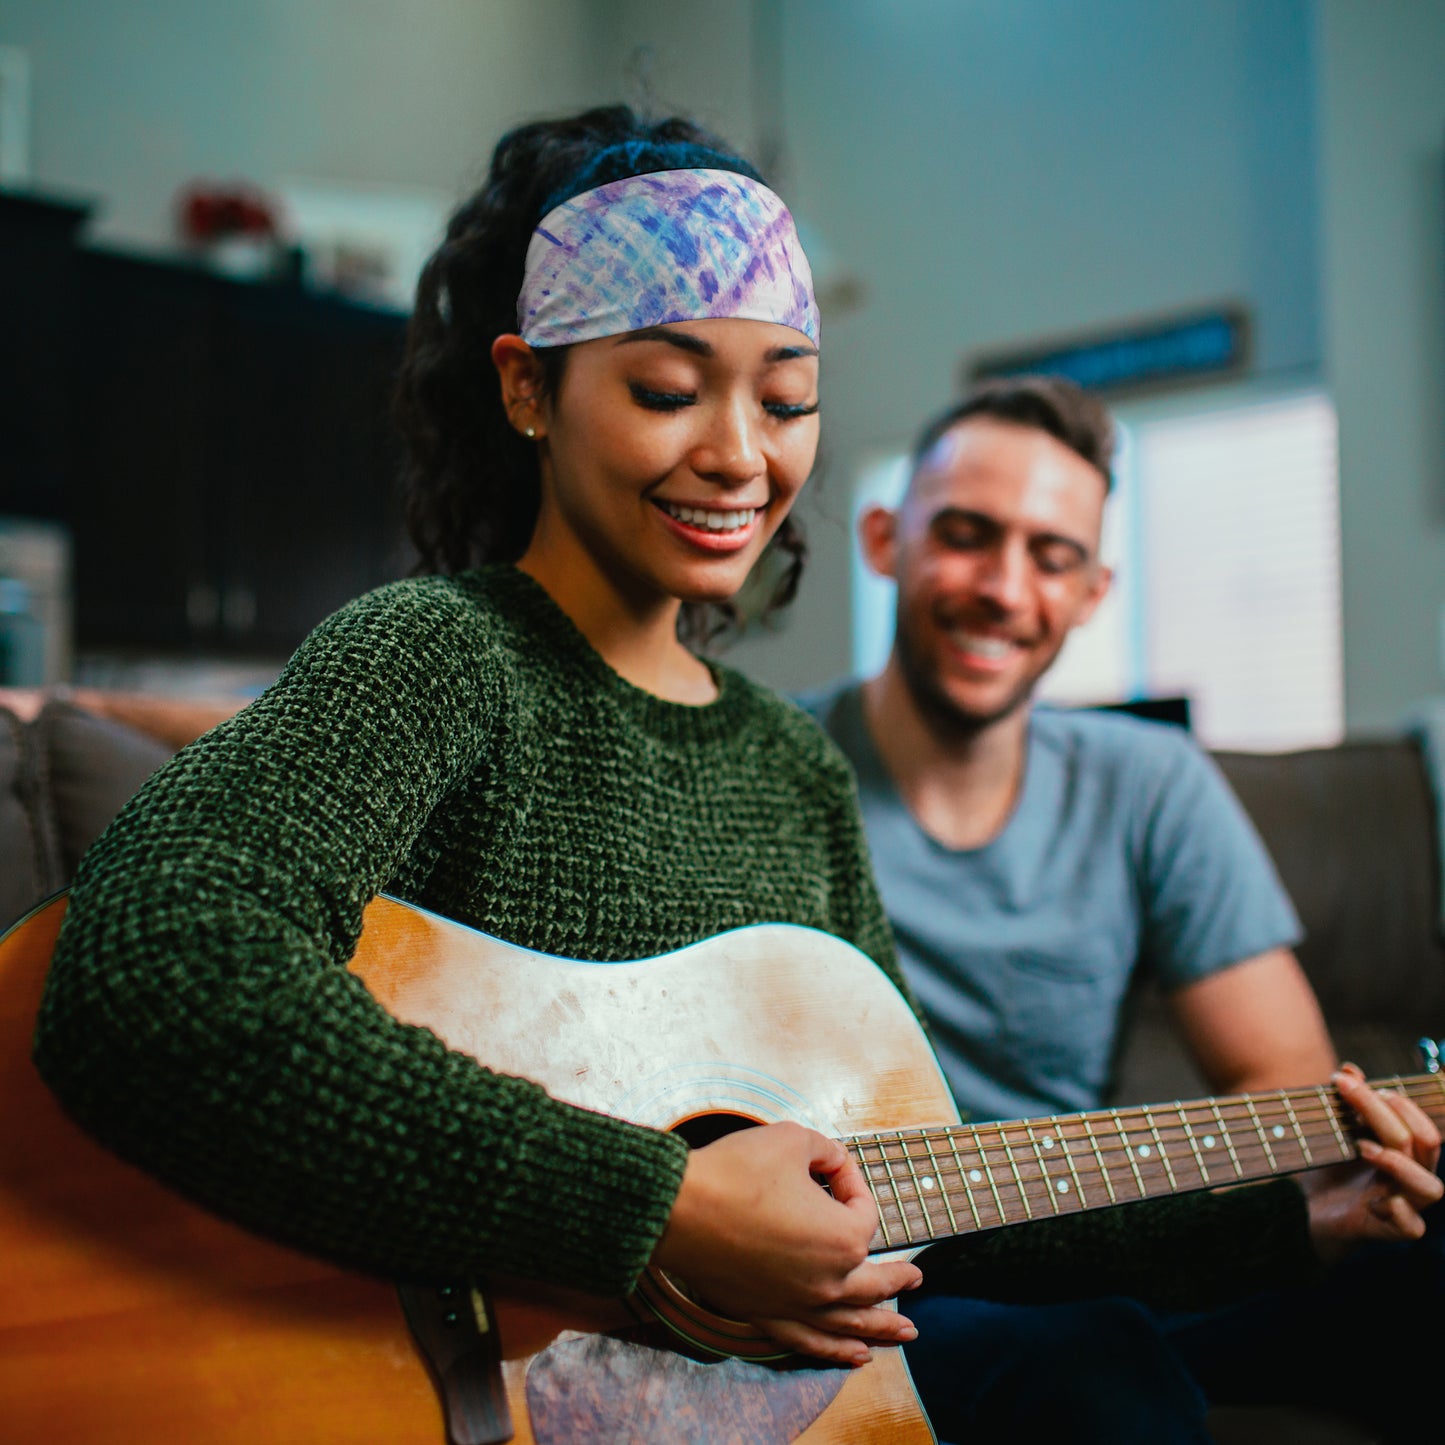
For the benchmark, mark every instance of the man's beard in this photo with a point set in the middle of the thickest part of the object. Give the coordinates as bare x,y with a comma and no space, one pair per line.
948,722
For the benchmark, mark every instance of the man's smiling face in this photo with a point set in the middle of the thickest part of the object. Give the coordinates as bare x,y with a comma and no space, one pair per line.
996,554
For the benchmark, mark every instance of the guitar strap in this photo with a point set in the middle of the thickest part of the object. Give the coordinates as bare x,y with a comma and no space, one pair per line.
452,1327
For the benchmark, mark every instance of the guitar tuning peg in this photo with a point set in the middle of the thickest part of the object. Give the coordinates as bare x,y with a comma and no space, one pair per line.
1430,1052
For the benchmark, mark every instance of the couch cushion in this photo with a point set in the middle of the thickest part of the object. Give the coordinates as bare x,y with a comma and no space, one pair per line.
29,863
1352,832
90,767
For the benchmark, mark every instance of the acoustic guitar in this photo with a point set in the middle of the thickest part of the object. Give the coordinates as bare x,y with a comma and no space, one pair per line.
132,1317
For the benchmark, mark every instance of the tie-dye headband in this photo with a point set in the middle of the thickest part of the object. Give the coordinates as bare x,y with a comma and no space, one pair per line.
671,246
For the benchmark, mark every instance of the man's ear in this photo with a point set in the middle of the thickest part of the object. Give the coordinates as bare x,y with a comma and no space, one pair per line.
1098,590
520,374
878,537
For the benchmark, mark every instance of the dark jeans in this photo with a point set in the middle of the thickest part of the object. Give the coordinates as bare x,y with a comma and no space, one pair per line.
1111,1370
1365,1341
1099,1370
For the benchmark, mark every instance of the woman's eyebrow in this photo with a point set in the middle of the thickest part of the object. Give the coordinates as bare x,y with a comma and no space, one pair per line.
683,340
696,346
790,353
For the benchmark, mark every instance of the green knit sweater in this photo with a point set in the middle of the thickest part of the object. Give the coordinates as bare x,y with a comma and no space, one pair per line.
457,743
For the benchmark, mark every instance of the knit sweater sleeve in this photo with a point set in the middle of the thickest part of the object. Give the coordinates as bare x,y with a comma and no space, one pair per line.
199,1019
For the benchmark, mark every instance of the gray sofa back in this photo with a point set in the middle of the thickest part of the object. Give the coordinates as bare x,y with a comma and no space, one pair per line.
1352,831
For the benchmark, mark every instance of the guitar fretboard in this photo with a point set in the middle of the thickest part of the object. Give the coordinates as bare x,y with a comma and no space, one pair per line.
934,1183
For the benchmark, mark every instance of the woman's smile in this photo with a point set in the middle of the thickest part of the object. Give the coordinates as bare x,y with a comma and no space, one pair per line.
710,528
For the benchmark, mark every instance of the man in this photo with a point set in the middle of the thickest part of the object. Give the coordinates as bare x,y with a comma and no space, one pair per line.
1029,858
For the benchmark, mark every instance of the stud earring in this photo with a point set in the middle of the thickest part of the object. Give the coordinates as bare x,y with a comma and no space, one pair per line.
530,433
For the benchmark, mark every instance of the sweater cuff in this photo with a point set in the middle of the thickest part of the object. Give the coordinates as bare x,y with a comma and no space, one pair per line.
612,1184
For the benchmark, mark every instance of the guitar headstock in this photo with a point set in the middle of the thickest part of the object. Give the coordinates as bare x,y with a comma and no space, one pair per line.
1430,1053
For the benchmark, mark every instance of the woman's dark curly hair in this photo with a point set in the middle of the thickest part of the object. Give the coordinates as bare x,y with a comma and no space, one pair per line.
472,482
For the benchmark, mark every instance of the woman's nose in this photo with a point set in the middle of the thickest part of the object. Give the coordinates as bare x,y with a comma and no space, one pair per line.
730,450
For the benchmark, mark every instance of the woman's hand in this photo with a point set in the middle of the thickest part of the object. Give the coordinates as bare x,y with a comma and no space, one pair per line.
754,1234
1380,1197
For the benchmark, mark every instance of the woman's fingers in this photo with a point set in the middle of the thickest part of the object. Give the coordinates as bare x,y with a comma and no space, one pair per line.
758,1238
843,1336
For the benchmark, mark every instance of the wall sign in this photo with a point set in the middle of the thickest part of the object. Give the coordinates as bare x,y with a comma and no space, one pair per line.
1130,359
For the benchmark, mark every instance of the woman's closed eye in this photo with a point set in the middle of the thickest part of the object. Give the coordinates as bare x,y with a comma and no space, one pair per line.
790,410
655,400
658,399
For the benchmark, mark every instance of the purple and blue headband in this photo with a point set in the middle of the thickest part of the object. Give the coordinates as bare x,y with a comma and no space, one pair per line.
671,246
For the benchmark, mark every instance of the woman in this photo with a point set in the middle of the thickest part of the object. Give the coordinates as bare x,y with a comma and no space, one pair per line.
610,397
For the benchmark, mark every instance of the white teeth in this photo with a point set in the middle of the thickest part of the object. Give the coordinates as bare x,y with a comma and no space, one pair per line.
994,647
711,521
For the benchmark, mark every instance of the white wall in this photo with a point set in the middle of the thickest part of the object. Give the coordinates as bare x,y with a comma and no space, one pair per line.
1382,124
133,98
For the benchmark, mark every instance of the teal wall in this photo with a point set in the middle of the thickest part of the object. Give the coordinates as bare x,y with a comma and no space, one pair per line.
1382,150
1003,170
983,171
132,98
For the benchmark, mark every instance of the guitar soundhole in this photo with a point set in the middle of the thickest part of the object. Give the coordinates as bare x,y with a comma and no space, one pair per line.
704,1129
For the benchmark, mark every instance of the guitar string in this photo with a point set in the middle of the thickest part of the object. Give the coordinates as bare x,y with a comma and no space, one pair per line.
1161,1120
1252,1113
914,1222
1178,1127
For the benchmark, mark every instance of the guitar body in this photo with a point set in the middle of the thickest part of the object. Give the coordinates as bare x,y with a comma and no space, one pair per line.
129,1315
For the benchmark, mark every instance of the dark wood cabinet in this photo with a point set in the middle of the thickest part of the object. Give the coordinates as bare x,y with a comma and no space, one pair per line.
39,317
229,466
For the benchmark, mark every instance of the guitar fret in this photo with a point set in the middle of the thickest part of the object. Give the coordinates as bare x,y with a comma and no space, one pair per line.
988,1174
1063,1139
1099,1155
1043,1169
918,1191
1129,1154
1189,1134
1008,1154
1159,1145
870,1168
897,1197
942,1185
963,1179
1259,1129
1329,1107
1228,1139
1304,1144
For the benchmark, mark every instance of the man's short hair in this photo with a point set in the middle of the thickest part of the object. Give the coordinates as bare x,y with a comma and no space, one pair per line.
1046,403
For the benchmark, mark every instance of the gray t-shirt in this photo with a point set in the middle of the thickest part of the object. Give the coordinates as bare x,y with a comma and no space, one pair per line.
1125,847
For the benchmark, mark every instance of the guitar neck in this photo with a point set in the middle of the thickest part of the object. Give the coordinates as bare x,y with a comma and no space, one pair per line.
934,1183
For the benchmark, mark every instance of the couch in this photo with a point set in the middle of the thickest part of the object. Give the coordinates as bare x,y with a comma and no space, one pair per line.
1352,830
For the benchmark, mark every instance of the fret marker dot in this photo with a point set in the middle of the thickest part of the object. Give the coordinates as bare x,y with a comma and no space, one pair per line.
1063,1186
1278,1131
975,1175
926,1182
1143,1151
1049,1142
1209,1141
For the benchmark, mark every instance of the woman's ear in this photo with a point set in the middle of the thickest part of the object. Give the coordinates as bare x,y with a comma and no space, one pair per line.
520,374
